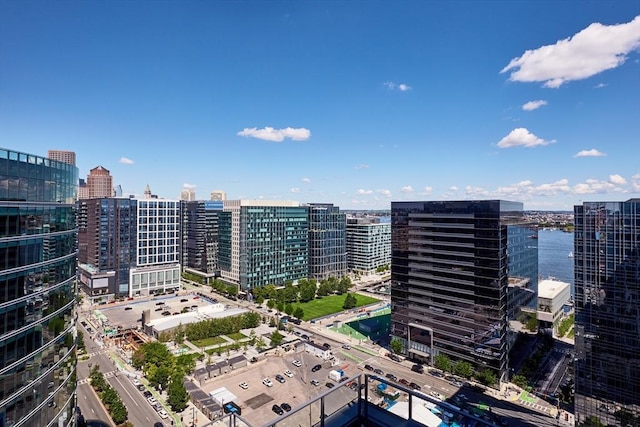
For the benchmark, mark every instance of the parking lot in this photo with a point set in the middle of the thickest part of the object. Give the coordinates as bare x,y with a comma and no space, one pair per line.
258,399
129,314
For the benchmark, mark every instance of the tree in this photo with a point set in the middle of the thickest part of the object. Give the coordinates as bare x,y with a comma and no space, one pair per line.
80,341
260,343
232,290
349,302
259,300
290,293
288,309
280,306
396,346
463,369
486,377
443,362
520,381
270,291
252,337
298,312
343,285
177,396
271,303
307,289
324,289
276,338
118,412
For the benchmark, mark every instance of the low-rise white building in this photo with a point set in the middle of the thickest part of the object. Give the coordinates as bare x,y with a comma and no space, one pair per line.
552,295
317,350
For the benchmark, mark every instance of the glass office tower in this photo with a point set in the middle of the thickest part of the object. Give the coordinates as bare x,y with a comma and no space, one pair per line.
607,305
460,271
37,290
327,241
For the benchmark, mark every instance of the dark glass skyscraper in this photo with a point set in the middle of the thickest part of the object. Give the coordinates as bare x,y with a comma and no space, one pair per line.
460,271
200,224
607,304
37,290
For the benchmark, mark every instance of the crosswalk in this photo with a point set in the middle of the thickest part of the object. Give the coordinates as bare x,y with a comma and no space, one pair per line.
109,374
535,406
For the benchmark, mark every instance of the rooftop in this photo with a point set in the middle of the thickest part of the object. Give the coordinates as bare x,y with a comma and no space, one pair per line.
550,288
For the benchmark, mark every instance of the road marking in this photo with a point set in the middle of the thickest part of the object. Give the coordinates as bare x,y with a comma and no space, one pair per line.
126,391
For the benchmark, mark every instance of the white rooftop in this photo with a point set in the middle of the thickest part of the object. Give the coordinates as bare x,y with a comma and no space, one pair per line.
222,395
550,288
214,311
420,410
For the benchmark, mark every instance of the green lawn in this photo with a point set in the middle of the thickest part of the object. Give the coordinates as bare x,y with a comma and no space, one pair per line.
206,342
237,336
331,304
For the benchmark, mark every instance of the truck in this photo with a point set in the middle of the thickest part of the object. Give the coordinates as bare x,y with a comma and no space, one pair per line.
336,375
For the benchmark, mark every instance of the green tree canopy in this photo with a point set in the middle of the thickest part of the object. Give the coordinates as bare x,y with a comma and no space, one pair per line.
177,396
298,312
396,346
463,369
276,338
443,362
350,301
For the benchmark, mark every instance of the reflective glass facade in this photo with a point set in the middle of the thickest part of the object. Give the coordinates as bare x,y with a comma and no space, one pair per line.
453,269
273,245
200,235
37,290
607,307
327,242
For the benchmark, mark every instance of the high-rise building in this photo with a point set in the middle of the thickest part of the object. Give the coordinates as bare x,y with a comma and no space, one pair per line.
37,291
263,242
200,221
99,183
188,194
607,313
460,271
128,247
106,246
218,195
327,241
368,244
68,157
83,190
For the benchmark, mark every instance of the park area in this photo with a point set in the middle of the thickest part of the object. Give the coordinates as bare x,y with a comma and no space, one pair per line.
325,306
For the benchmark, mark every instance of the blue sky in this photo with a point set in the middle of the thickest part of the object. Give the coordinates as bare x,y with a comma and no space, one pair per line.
354,103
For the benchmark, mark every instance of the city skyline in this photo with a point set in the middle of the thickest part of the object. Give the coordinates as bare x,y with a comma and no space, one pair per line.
330,102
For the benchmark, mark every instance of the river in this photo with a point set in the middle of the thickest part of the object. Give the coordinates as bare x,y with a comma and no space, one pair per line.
554,247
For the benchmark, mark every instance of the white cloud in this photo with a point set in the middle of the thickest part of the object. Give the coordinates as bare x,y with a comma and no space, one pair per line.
522,137
407,189
276,135
600,86
534,105
362,166
635,182
427,190
189,186
617,180
307,180
295,190
590,153
125,161
453,188
402,87
362,191
589,52
385,192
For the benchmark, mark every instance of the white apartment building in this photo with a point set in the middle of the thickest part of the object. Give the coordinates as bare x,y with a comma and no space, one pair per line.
368,244
157,247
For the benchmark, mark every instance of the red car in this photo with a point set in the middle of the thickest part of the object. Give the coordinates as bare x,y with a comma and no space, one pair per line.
403,381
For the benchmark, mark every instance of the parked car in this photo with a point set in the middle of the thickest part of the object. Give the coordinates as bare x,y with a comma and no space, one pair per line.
403,381
141,387
330,385
243,385
378,371
435,373
163,414
297,363
280,378
368,367
159,309
315,382
346,346
316,368
286,407
184,300
267,382
326,345
415,386
394,357
288,373
166,313
128,308
418,368
147,394
277,409
392,377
